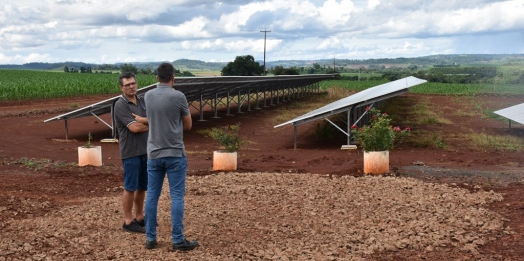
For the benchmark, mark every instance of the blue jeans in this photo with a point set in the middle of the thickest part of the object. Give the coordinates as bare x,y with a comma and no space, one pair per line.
175,168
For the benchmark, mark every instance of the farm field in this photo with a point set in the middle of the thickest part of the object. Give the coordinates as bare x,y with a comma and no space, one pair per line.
461,201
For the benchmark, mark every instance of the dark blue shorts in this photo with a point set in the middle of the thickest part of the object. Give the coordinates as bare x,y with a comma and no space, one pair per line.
135,173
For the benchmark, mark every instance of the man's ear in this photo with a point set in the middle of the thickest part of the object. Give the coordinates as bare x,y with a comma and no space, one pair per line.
156,78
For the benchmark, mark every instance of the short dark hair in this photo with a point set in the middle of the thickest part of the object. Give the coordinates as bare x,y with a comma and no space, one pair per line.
125,75
165,72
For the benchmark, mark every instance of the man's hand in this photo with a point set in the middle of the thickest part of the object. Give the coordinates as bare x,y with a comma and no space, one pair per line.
140,119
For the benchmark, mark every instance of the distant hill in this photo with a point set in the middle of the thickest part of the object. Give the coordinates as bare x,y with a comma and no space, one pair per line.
192,65
46,66
431,60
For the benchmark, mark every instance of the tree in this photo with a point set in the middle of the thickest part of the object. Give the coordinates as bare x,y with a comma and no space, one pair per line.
146,71
127,67
66,69
279,70
243,66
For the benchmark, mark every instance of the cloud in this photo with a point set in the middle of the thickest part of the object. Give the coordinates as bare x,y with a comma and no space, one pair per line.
200,29
32,57
231,45
334,13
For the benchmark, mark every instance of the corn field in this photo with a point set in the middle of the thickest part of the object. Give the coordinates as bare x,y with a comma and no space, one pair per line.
28,85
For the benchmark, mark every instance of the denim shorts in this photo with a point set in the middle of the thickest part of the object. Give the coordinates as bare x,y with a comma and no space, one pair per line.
135,173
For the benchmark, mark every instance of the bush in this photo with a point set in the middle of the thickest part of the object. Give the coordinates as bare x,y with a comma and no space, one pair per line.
228,137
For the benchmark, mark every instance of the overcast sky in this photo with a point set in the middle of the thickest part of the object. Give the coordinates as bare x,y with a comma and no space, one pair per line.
112,31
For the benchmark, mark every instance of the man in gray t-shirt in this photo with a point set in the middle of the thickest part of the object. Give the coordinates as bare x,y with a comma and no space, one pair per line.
168,116
130,112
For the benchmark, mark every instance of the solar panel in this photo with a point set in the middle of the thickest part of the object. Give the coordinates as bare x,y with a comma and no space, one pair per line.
514,113
369,96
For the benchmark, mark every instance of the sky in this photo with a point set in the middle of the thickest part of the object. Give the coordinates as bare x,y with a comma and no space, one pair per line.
118,31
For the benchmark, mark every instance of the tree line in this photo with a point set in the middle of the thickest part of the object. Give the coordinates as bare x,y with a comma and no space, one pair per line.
448,71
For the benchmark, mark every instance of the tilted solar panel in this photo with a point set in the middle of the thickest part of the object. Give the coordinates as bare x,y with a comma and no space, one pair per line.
514,113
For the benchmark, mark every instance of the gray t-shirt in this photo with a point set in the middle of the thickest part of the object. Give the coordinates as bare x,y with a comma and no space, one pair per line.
165,108
131,144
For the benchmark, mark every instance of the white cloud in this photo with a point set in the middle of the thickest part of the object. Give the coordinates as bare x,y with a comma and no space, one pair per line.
231,23
240,46
331,42
373,3
334,13
20,59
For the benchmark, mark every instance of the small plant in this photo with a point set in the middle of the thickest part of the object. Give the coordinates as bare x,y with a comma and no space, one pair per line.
379,135
228,137
88,144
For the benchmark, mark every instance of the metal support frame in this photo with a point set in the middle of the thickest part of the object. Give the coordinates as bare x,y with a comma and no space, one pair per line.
201,109
265,92
100,119
66,129
228,105
249,100
256,98
216,102
295,137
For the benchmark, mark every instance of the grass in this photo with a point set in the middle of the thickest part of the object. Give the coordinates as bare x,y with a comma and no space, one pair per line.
38,164
419,113
463,113
306,104
496,142
426,139
350,85
408,112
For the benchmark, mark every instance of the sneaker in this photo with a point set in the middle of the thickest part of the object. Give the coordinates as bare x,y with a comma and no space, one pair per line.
142,223
151,244
133,227
185,245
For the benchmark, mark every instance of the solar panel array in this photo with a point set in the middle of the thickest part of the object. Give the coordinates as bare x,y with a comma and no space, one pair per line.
210,91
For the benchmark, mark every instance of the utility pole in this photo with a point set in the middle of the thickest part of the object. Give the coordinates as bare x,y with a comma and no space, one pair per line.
334,64
265,31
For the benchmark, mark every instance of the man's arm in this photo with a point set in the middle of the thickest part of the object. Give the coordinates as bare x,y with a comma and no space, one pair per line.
187,122
137,127
141,124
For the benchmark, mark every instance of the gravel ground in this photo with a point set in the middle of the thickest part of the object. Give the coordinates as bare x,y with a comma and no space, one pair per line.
266,216
500,177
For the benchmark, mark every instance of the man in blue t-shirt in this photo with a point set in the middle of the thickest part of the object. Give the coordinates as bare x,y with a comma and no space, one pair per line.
168,115
130,117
